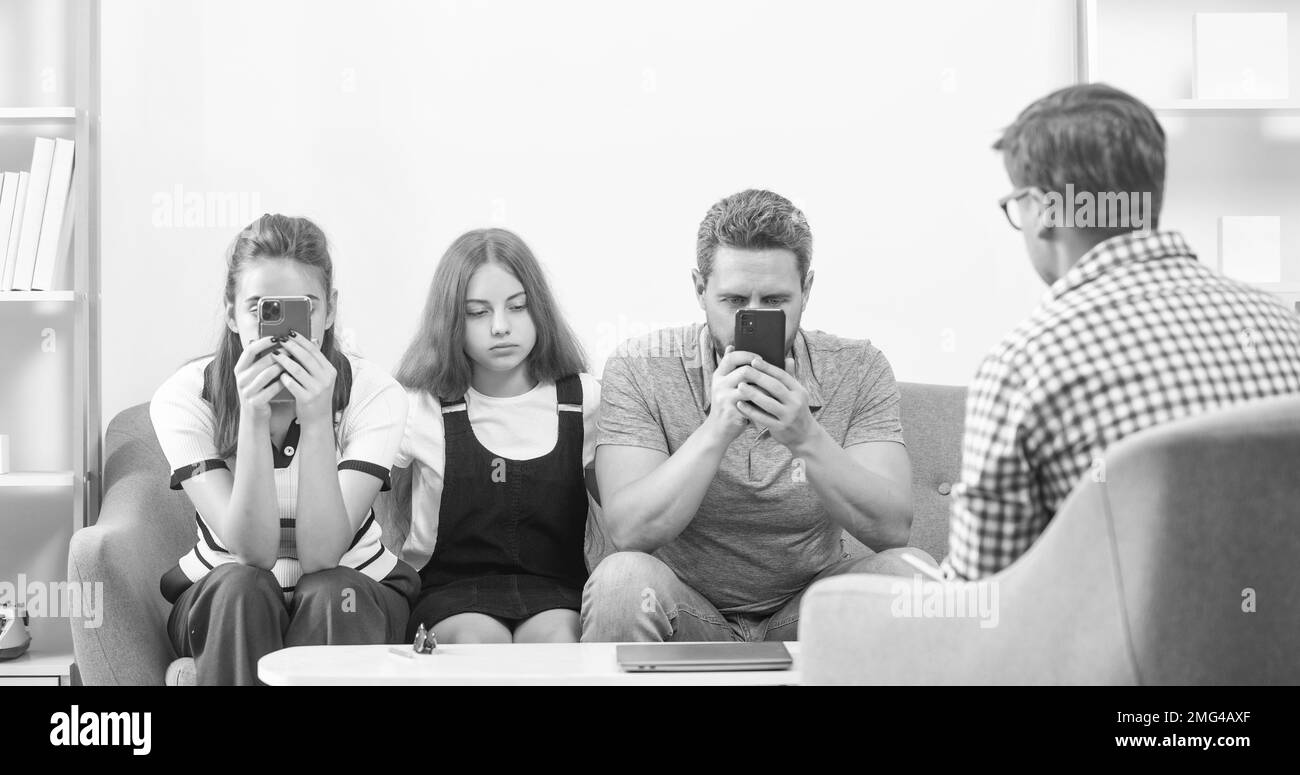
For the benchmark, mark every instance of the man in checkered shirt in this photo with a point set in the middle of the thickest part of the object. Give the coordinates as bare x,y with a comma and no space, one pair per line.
1133,332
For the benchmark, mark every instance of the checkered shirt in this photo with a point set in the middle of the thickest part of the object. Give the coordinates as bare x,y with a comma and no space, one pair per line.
1137,333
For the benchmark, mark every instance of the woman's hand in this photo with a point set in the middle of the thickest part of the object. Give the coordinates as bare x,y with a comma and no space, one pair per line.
309,375
257,379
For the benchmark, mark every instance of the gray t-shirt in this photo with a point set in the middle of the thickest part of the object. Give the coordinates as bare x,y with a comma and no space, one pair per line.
761,533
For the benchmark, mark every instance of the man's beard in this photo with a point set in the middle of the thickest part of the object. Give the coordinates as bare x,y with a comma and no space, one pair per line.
719,349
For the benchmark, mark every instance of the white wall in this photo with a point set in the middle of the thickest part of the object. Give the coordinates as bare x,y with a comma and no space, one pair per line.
601,132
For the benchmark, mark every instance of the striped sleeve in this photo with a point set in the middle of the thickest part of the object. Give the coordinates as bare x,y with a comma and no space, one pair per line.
185,425
371,433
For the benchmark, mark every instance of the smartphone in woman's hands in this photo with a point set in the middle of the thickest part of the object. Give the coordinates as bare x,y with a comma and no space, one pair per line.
277,316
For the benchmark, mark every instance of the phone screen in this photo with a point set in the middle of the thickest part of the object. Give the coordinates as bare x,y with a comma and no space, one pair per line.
762,332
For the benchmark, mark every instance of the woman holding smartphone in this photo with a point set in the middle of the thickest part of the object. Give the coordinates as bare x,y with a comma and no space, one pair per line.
499,440
282,445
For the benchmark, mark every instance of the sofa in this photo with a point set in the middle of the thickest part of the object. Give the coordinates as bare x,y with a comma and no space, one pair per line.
143,527
1175,563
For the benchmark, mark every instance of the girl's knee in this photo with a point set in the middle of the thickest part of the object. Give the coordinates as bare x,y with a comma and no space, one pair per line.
472,628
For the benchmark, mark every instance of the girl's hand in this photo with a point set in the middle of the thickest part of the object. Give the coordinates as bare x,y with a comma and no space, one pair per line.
309,375
258,379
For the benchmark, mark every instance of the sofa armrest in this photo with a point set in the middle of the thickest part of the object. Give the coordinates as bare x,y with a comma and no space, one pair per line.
1052,617
868,629
135,539
129,645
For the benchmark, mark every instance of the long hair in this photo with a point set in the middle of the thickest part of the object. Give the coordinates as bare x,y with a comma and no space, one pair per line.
436,362
269,237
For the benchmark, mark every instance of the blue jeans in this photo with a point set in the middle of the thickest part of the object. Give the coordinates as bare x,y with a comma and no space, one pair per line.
633,596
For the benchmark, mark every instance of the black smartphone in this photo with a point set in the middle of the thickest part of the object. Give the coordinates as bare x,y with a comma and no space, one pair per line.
762,332
277,316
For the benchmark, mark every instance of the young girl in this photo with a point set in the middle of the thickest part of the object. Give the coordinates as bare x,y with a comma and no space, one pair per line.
501,431
288,552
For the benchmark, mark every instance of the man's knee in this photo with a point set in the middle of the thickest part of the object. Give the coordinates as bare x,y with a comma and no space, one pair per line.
891,562
626,574
914,551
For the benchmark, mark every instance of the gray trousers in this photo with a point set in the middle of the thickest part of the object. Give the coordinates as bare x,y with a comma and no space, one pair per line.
237,614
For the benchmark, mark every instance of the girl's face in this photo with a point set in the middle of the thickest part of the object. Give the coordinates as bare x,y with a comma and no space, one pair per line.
499,331
278,277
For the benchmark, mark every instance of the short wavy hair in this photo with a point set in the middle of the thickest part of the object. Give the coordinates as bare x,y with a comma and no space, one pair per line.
1094,136
754,220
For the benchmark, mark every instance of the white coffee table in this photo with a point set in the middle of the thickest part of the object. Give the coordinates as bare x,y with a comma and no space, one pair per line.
488,664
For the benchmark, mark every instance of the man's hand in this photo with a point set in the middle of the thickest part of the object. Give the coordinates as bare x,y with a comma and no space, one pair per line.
773,399
726,419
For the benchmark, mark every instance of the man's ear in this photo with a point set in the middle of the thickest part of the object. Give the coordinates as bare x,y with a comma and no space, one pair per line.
807,289
699,283
1044,228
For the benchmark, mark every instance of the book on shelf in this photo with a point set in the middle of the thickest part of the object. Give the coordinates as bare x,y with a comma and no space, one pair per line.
56,223
15,228
8,197
37,187
37,236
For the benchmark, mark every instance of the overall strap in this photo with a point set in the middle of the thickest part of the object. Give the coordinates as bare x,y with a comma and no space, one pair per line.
568,403
568,394
455,416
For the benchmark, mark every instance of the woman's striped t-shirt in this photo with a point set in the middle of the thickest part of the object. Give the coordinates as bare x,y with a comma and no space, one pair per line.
369,432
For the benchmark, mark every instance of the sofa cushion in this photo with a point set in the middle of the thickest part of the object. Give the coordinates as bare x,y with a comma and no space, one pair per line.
933,417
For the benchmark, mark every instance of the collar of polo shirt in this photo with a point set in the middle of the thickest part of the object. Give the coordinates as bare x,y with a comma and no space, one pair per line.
803,368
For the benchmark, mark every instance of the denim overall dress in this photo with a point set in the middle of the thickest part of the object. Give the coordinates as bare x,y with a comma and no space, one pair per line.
510,532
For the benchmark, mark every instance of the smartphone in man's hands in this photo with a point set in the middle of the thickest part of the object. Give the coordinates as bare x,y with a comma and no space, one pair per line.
762,332
277,316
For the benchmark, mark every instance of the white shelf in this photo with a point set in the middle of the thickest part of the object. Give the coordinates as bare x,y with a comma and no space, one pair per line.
37,479
1087,69
39,114
1201,107
38,664
38,296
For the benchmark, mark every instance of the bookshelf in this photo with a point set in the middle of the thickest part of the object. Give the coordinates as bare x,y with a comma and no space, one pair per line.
65,113
37,296
1226,157
49,340
38,479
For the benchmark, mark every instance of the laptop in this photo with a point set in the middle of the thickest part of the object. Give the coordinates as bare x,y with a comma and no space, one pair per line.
703,657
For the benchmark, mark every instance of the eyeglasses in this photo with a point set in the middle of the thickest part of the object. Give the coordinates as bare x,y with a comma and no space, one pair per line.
1013,213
